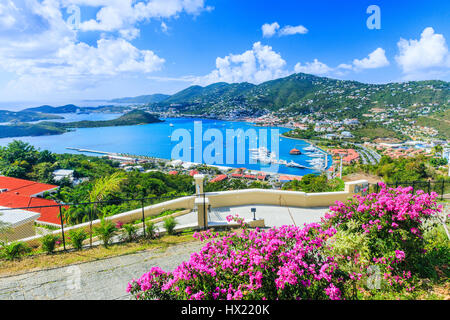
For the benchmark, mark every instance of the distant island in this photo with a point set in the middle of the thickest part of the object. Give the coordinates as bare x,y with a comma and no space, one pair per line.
367,111
71,108
23,116
135,117
145,99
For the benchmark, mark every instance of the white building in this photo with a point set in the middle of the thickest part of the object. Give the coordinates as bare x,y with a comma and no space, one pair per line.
61,174
20,223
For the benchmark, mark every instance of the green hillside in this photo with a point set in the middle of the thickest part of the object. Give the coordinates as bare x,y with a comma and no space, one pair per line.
135,117
25,130
302,93
153,98
20,116
131,118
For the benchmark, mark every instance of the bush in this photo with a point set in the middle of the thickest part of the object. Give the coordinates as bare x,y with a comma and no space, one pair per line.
437,255
283,263
49,242
372,246
382,232
13,250
151,230
105,231
169,224
77,237
129,232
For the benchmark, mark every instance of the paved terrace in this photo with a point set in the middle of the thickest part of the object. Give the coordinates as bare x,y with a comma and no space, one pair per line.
107,279
274,216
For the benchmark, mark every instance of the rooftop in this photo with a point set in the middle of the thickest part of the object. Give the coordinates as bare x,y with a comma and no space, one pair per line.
15,218
24,187
46,215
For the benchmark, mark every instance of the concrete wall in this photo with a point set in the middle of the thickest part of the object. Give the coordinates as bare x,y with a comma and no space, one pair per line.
228,199
275,197
126,217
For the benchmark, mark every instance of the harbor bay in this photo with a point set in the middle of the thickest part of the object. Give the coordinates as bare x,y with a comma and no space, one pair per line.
155,140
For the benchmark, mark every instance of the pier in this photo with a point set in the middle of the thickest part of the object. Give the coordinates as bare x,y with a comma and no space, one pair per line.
93,151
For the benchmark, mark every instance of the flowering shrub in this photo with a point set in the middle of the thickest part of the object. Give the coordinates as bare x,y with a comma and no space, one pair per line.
387,231
368,234
282,263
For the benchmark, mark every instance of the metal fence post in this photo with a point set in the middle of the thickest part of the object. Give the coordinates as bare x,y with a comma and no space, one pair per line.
204,213
62,227
90,226
143,216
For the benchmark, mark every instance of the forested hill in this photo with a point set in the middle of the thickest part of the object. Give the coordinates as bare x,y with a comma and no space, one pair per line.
303,93
135,117
153,98
131,118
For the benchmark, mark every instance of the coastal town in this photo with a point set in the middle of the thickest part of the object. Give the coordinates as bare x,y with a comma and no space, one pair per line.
225,159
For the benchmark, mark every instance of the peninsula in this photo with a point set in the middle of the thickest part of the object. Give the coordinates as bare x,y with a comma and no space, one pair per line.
135,117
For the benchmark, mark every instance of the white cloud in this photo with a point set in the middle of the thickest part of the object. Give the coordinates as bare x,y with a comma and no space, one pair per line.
120,14
376,59
270,29
42,52
428,55
290,30
345,66
130,34
164,27
316,67
257,65
110,57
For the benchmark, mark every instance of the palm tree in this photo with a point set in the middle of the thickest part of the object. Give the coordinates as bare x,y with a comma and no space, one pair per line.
438,150
76,214
101,189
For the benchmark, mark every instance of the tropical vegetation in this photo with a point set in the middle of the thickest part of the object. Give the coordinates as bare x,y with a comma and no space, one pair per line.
377,246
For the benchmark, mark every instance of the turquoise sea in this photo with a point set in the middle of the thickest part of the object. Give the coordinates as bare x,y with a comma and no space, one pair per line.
155,140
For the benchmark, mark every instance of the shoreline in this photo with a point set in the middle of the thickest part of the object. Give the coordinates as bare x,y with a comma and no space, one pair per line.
192,164
300,173
313,144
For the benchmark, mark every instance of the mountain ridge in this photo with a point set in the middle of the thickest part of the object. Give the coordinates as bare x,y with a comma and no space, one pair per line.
304,93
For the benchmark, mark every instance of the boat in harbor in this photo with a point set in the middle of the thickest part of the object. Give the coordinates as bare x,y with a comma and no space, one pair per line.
171,125
295,165
295,152
314,155
310,148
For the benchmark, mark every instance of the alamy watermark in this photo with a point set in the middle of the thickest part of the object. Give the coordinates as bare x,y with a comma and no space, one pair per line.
374,278
74,18
374,20
74,278
190,148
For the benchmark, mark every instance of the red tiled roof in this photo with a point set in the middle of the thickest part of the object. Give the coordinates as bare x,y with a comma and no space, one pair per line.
289,178
350,154
49,214
220,177
193,173
237,175
24,187
173,173
249,176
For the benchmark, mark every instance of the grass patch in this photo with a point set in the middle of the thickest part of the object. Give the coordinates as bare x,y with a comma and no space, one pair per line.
60,259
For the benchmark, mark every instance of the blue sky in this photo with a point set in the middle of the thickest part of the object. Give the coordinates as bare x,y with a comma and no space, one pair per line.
128,48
